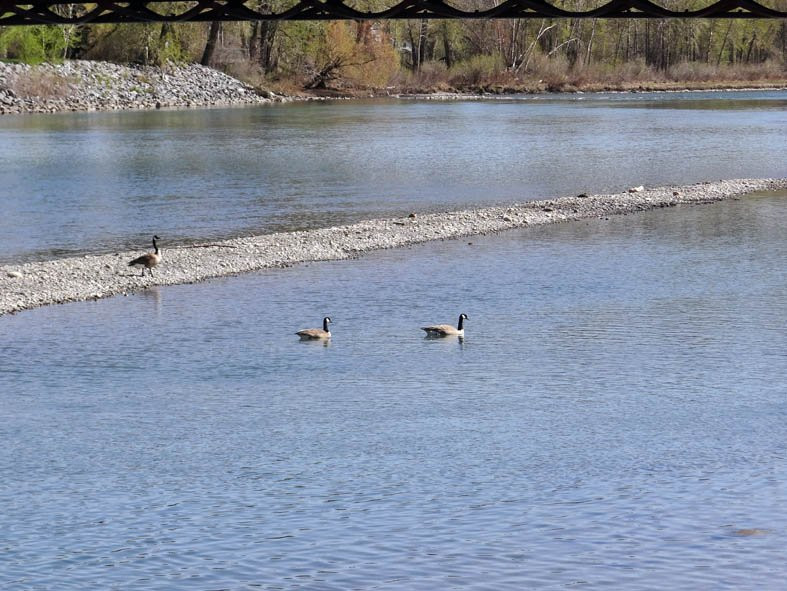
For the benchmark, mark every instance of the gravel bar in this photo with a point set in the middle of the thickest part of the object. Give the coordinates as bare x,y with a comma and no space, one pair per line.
89,277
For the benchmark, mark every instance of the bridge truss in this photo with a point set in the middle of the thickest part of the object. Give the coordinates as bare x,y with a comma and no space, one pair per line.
57,12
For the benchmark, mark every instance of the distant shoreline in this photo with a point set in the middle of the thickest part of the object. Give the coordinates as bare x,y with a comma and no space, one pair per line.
31,285
459,96
594,89
86,86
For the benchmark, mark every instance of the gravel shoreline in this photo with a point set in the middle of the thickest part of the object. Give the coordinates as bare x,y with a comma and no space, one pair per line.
31,285
81,85
491,96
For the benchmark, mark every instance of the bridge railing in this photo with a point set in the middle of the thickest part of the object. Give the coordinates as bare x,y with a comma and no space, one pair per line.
113,11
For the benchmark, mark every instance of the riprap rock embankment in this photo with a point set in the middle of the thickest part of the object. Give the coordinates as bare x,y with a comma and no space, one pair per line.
97,276
101,86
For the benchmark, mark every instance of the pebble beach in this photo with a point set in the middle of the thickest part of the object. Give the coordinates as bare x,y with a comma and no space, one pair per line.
31,285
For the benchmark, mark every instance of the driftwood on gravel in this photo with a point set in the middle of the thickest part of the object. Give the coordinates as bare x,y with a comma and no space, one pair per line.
96,276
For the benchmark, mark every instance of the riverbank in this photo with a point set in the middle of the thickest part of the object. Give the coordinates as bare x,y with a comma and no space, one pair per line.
31,285
591,86
486,91
81,85
102,86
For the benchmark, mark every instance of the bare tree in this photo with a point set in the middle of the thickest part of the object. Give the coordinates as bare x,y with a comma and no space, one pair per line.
210,46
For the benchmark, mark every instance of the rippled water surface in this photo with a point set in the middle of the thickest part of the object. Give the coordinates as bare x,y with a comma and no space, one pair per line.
614,419
96,182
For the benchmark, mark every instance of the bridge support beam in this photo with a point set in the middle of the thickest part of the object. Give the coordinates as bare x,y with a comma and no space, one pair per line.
58,12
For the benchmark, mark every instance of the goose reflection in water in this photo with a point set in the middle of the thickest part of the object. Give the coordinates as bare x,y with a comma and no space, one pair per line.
154,295
315,342
447,341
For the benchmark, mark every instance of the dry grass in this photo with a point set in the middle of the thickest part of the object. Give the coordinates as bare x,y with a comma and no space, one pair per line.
284,86
555,75
253,75
36,83
700,72
488,74
480,70
244,71
431,75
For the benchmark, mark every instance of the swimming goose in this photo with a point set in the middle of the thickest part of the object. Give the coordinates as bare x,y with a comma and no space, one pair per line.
445,330
149,260
316,333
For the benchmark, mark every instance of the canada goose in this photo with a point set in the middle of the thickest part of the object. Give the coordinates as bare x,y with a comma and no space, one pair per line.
445,330
316,333
149,260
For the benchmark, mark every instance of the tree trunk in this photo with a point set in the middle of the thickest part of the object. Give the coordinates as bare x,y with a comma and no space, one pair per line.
210,46
414,51
590,43
710,41
254,42
751,46
784,41
723,43
267,38
543,30
449,61
422,42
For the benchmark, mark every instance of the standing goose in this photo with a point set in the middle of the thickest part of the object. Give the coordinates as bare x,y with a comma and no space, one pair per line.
308,334
446,330
149,260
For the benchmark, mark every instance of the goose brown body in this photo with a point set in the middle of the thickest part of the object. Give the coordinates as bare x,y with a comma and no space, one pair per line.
446,330
149,260
308,334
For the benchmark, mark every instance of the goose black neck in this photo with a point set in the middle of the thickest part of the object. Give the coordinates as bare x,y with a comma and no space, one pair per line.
155,246
461,322
325,324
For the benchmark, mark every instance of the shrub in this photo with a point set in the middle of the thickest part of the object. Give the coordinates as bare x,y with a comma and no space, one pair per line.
479,70
431,75
702,72
552,71
142,43
34,44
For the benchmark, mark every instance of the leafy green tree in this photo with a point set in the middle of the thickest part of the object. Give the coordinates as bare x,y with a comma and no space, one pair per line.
34,44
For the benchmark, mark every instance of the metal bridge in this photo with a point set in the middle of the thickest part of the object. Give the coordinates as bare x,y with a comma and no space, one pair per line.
59,12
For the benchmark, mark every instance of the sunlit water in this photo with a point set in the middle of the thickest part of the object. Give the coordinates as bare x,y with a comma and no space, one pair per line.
97,182
614,419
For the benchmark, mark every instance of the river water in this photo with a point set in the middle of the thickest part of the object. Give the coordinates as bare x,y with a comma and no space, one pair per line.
99,182
614,418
